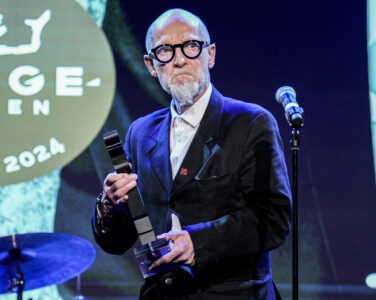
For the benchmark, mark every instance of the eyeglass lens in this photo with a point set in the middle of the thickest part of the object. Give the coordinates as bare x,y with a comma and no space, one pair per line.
190,49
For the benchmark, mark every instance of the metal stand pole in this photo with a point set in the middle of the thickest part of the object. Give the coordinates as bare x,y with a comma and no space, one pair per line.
295,144
17,282
78,289
20,283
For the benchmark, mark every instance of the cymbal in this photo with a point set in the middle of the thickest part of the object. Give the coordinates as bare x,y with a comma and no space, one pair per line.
44,258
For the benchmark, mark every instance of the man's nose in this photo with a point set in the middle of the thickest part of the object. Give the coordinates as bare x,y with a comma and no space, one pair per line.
179,59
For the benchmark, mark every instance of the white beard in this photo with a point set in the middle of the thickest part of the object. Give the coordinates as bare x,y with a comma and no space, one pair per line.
185,92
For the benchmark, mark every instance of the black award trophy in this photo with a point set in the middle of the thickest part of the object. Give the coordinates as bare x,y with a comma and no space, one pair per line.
151,248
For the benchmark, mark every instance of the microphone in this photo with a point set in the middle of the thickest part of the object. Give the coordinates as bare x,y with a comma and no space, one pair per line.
294,114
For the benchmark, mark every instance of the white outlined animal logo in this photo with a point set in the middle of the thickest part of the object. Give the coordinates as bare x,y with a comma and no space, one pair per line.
36,26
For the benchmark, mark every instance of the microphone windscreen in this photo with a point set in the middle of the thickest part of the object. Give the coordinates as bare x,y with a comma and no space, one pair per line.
282,90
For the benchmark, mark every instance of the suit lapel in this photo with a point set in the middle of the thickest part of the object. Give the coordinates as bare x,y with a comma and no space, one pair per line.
159,152
202,144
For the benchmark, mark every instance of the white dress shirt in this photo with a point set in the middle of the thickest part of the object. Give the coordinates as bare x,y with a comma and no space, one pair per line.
182,131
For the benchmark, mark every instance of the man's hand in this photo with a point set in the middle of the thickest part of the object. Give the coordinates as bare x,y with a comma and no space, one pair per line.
182,251
116,186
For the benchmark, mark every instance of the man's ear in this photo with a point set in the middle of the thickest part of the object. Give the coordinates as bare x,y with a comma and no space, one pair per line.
149,64
211,51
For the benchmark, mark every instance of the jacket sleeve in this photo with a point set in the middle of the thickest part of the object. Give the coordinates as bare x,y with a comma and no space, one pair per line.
264,221
116,234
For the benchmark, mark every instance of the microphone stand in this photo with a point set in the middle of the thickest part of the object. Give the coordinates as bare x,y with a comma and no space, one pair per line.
20,282
17,282
295,144
78,289
294,115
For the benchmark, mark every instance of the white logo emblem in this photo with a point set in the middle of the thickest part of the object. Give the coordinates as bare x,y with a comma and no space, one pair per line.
36,25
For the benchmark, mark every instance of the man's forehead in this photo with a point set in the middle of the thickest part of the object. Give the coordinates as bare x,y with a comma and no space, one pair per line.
177,29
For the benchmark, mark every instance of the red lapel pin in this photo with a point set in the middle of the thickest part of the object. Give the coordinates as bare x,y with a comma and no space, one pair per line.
183,171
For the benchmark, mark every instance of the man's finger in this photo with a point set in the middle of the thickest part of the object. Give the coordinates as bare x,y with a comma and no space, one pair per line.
123,200
167,258
181,259
125,189
115,178
170,236
161,236
116,181
110,178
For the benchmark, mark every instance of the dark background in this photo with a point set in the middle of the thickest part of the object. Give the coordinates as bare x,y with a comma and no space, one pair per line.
319,48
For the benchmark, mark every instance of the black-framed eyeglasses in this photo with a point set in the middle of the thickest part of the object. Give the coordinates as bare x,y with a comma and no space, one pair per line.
166,52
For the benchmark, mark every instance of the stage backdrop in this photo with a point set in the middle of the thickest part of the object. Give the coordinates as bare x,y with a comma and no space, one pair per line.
319,48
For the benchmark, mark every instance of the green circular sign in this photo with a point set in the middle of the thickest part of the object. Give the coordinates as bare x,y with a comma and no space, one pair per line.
57,82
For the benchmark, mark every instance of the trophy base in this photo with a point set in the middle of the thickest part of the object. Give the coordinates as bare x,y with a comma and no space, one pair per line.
147,254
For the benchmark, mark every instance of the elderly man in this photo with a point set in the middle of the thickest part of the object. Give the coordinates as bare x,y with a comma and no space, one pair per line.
211,172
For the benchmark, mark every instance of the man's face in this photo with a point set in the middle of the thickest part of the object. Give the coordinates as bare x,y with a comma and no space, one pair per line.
183,78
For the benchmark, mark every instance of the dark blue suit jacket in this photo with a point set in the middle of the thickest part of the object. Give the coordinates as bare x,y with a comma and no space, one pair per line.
234,197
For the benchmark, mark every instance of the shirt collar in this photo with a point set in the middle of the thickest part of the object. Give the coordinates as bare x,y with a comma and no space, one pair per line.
194,114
